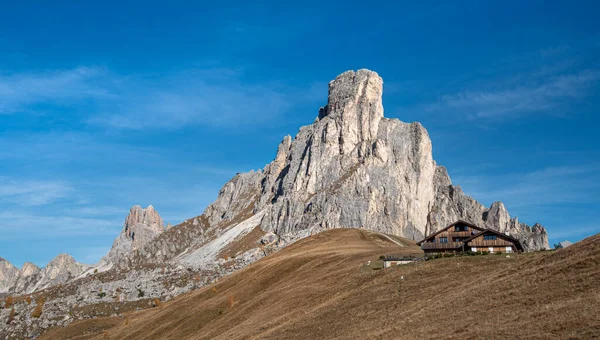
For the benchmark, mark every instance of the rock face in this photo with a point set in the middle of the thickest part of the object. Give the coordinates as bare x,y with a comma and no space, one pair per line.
27,278
563,244
355,168
8,275
141,226
60,270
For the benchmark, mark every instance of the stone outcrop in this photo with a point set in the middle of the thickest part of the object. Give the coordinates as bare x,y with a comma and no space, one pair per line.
355,168
8,275
27,279
60,270
140,227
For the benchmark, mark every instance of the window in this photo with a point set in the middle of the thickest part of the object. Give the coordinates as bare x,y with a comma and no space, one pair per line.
489,237
461,228
459,239
509,249
443,240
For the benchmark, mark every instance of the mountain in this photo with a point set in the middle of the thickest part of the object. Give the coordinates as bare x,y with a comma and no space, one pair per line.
328,287
351,168
8,274
141,226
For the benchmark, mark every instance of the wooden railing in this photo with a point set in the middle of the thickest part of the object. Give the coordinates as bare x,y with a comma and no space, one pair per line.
437,245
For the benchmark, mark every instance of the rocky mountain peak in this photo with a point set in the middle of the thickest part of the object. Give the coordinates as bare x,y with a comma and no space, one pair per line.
147,217
8,274
29,269
354,103
354,168
140,227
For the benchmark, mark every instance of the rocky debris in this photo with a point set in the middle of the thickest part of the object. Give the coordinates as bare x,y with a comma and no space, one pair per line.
8,275
563,244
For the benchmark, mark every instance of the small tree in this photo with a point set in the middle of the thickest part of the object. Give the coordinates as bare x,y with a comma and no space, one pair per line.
37,312
28,300
140,293
11,316
157,303
8,302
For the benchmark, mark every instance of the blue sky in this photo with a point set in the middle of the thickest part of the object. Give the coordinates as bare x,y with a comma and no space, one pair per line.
110,104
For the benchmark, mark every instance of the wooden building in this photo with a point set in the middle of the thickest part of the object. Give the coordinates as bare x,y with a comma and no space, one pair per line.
463,236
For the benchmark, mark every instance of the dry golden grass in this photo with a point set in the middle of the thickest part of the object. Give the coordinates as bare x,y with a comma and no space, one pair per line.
320,288
8,302
37,312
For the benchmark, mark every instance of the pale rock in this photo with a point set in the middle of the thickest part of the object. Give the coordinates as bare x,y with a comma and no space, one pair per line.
354,168
8,275
140,227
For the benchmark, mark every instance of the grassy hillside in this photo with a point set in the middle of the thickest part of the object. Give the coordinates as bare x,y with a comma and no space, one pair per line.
320,288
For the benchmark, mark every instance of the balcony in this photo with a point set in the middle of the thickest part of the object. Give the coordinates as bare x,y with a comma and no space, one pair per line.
436,245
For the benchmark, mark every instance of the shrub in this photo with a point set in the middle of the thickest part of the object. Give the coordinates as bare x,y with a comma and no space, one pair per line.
11,316
214,290
382,257
96,271
8,302
498,253
101,294
37,312
157,303
140,293
197,278
230,301
28,299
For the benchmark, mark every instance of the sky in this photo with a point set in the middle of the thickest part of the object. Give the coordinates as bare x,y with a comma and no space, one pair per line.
105,105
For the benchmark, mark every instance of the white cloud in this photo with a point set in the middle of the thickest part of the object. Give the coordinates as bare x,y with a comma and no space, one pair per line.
545,95
551,185
212,96
24,224
33,192
19,92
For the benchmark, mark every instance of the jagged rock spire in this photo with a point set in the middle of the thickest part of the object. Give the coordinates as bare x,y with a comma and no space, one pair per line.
140,227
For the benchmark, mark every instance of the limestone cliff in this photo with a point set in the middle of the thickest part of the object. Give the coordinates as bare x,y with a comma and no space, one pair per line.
140,227
8,275
355,168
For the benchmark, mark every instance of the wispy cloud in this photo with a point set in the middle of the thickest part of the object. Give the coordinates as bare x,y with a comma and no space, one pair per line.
551,185
24,224
547,94
20,92
210,96
32,192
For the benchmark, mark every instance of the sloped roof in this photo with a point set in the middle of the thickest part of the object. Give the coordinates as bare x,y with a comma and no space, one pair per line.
491,231
471,225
